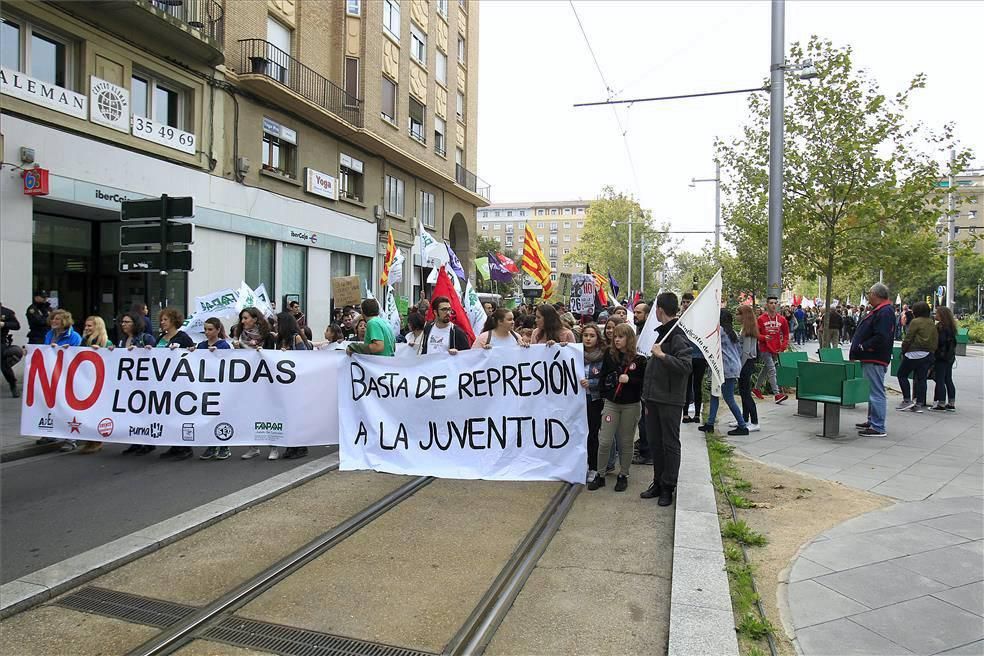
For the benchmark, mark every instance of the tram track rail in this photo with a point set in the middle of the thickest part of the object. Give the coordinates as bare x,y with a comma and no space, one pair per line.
217,621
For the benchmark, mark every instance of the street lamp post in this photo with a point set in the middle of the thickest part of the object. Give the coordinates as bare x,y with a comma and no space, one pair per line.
717,204
628,223
776,137
951,233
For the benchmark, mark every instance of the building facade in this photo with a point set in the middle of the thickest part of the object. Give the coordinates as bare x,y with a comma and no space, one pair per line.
968,207
557,226
305,130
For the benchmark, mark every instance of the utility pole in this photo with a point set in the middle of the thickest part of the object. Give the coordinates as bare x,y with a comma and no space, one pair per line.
630,253
642,262
776,128
717,205
951,234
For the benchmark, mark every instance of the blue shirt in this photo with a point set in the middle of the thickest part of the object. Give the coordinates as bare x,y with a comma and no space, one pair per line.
219,344
67,338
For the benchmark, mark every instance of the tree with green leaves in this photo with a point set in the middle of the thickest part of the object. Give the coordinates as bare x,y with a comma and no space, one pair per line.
605,247
483,246
859,190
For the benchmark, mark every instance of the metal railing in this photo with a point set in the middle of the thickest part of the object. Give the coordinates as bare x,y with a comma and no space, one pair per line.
471,182
259,57
202,15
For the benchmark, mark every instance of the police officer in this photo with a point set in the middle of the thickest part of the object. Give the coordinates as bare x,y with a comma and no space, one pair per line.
9,354
37,318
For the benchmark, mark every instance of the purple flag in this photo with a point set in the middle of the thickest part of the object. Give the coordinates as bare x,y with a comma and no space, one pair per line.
496,270
455,263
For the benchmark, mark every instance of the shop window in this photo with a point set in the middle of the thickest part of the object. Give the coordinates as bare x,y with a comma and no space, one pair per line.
350,178
260,254
393,200
417,111
37,52
294,271
427,207
363,269
341,264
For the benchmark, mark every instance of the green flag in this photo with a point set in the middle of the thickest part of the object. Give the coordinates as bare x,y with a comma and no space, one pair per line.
482,266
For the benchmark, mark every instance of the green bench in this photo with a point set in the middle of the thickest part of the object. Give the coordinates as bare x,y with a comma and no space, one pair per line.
787,372
836,356
963,338
832,385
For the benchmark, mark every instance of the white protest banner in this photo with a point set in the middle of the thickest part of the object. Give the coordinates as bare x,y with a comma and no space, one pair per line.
217,302
507,413
701,323
582,294
648,335
181,398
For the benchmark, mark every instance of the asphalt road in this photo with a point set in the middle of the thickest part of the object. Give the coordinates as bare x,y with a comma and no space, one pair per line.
59,505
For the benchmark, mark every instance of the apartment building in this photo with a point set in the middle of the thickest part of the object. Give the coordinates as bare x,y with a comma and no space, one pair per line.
305,130
968,208
557,226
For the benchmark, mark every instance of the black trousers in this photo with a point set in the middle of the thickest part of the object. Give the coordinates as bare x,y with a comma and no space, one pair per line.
920,372
663,432
748,408
594,425
642,444
695,385
944,382
7,359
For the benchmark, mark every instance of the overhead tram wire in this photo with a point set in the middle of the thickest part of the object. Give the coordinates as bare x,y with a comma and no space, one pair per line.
684,95
611,92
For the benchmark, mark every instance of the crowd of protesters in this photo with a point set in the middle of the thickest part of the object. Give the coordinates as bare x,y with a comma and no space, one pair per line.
635,402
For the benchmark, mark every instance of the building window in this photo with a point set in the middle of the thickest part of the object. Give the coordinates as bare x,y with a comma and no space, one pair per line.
553,226
580,210
553,252
418,44
496,213
553,211
391,18
441,68
567,210
278,50
440,127
442,8
393,200
509,228
540,213
260,262
567,225
553,265
363,269
417,120
460,106
35,52
427,207
459,157
553,241
485,227
350,172
389,100
567,251
509,213
580,224
294,271
461,49
553,277
567,237
351,82
539,224
509,241
352,8
278,155
498,239
497,226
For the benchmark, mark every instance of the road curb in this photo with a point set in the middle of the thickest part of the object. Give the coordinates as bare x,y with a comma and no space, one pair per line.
37,587
29,451
701,617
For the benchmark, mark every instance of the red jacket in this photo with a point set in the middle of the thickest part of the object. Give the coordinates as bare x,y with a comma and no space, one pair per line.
773,333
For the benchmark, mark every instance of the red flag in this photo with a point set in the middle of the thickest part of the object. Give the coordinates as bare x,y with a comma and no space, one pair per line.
459,317
507,264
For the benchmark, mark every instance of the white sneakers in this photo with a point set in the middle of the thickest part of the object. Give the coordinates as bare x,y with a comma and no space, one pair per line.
753,428
252,453
274,453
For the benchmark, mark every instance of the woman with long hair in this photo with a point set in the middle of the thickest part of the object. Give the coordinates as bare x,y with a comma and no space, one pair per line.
172,337
290,337
215,336
610,328
62,332
132,335
731,356
749,356
252,331
918,346
594,355
501,331
549,330
94,335
622,373
946,355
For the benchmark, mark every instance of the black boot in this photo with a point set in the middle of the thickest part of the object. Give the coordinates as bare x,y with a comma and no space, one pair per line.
665,495
621,483
599,481
13,391
651,492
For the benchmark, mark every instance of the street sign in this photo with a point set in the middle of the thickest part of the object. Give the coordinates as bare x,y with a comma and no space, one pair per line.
149,234
155,261
152,208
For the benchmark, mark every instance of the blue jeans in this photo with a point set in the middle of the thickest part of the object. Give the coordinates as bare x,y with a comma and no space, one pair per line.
728,392
875,375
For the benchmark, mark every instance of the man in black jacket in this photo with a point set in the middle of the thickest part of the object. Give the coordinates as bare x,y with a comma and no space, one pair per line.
441,334
664,395
37,318
9,354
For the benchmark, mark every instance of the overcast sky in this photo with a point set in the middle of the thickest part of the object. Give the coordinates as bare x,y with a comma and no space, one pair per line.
535,64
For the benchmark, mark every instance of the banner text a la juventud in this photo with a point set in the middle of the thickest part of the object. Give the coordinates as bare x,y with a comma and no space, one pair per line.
163,397
506,413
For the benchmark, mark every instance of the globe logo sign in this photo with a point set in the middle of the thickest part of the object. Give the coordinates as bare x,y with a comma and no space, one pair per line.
109,105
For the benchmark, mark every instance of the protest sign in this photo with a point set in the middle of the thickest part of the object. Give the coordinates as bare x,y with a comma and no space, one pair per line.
164,397
346,290
582,294
507,413
217,303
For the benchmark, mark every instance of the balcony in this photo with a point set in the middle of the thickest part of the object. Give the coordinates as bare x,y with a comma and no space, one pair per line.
472,182
193,28
261,63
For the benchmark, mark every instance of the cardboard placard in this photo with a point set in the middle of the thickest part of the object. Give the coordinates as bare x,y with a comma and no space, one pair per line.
347,290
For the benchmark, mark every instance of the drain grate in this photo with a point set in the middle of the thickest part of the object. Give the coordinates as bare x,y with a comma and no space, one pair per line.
290,641
125,606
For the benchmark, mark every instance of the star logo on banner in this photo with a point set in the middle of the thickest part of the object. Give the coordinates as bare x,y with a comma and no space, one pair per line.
73,425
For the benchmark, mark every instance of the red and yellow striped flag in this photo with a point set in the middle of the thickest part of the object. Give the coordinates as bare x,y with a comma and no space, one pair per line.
535,264
390,256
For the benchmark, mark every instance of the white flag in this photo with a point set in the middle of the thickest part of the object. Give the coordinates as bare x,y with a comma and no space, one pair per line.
432,249
701,323
396,268
648,335
898,299
247,298
392,314
473,306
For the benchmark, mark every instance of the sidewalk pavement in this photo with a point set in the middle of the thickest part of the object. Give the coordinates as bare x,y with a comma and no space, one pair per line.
12,444
908,579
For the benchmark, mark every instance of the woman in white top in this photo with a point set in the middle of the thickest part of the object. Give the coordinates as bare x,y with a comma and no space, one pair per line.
502,333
